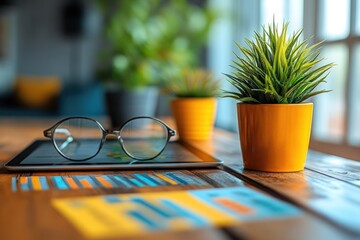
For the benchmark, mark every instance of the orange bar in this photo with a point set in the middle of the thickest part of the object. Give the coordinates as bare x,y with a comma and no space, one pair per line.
36,182
234,205
85,183
71,183
23,180
105,183
166,179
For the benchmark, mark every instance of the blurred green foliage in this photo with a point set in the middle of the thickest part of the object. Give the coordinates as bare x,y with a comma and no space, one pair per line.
150,40
194,83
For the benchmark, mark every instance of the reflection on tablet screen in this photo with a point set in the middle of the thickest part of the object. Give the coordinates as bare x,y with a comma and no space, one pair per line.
111,153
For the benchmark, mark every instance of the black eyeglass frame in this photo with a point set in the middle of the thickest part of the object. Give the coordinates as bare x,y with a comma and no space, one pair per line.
49,133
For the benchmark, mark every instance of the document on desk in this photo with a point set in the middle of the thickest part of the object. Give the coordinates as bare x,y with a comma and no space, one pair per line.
134,214
336,200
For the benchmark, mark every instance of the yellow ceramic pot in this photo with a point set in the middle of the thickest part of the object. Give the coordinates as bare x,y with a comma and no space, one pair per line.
194,117
274,137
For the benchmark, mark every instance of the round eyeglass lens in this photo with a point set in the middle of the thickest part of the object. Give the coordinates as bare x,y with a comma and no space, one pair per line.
78,138
144,138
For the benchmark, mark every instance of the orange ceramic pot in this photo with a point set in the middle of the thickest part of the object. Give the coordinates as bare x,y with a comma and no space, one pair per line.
194,117
274,137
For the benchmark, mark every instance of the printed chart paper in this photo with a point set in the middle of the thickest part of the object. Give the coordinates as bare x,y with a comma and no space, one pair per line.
136,214
136,180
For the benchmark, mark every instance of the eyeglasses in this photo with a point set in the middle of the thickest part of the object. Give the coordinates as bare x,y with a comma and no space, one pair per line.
81,138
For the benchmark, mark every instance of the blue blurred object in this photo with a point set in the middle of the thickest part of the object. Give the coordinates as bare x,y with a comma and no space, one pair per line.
85,100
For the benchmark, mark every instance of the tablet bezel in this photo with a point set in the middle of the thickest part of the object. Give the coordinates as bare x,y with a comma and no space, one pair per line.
14,163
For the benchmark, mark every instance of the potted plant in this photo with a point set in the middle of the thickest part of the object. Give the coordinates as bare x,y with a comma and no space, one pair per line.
194,105
275,76
145,41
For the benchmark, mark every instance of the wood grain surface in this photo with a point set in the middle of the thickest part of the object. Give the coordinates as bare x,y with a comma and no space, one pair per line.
30,215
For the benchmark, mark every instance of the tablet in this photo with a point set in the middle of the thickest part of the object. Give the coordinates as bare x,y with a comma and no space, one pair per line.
42,156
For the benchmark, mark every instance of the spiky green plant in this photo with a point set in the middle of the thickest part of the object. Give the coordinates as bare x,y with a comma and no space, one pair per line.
276,68
198,83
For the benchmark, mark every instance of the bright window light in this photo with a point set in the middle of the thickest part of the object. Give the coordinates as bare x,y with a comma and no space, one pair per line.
354,121
329,114
272,9
283,10
334,23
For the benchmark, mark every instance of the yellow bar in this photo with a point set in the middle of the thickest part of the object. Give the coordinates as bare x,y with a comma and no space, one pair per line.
36,182
105,183
71,183
166,179
85,183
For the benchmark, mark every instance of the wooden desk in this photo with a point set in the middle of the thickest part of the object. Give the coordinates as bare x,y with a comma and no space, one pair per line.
327,192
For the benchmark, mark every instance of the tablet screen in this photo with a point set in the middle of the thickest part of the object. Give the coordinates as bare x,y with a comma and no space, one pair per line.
42,154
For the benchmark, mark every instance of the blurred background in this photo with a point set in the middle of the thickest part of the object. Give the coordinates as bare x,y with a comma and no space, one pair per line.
60,57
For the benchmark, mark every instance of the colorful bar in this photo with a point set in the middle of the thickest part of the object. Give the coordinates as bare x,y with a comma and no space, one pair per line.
158,180
149,223
59,182
111,181
14,181
176,178
136,182
40,183
71,182
145,179
24,184
86,182
182,212
185,179
43,182
35,183
122,181
234,206
103,182
155,209
112,199
192,180
166,179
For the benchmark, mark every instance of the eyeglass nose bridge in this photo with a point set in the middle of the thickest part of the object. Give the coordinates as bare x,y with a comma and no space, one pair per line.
112,132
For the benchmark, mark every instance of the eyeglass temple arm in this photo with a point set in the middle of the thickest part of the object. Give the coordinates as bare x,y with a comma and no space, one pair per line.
69,137
172,132
48,133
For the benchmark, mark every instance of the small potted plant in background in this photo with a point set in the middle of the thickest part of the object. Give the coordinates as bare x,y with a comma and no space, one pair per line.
272,80
194,105
145,41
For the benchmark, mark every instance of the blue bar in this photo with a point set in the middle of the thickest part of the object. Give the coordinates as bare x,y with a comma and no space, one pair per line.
44,183
29,182
112,199
93,181
191,179
78,183
14,184
197,220
176,178
162,212
145,178
123,182
136,182
25,187
143,219
158,180
107,178
59,182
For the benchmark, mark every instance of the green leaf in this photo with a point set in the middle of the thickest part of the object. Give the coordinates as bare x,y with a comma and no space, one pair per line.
277,68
